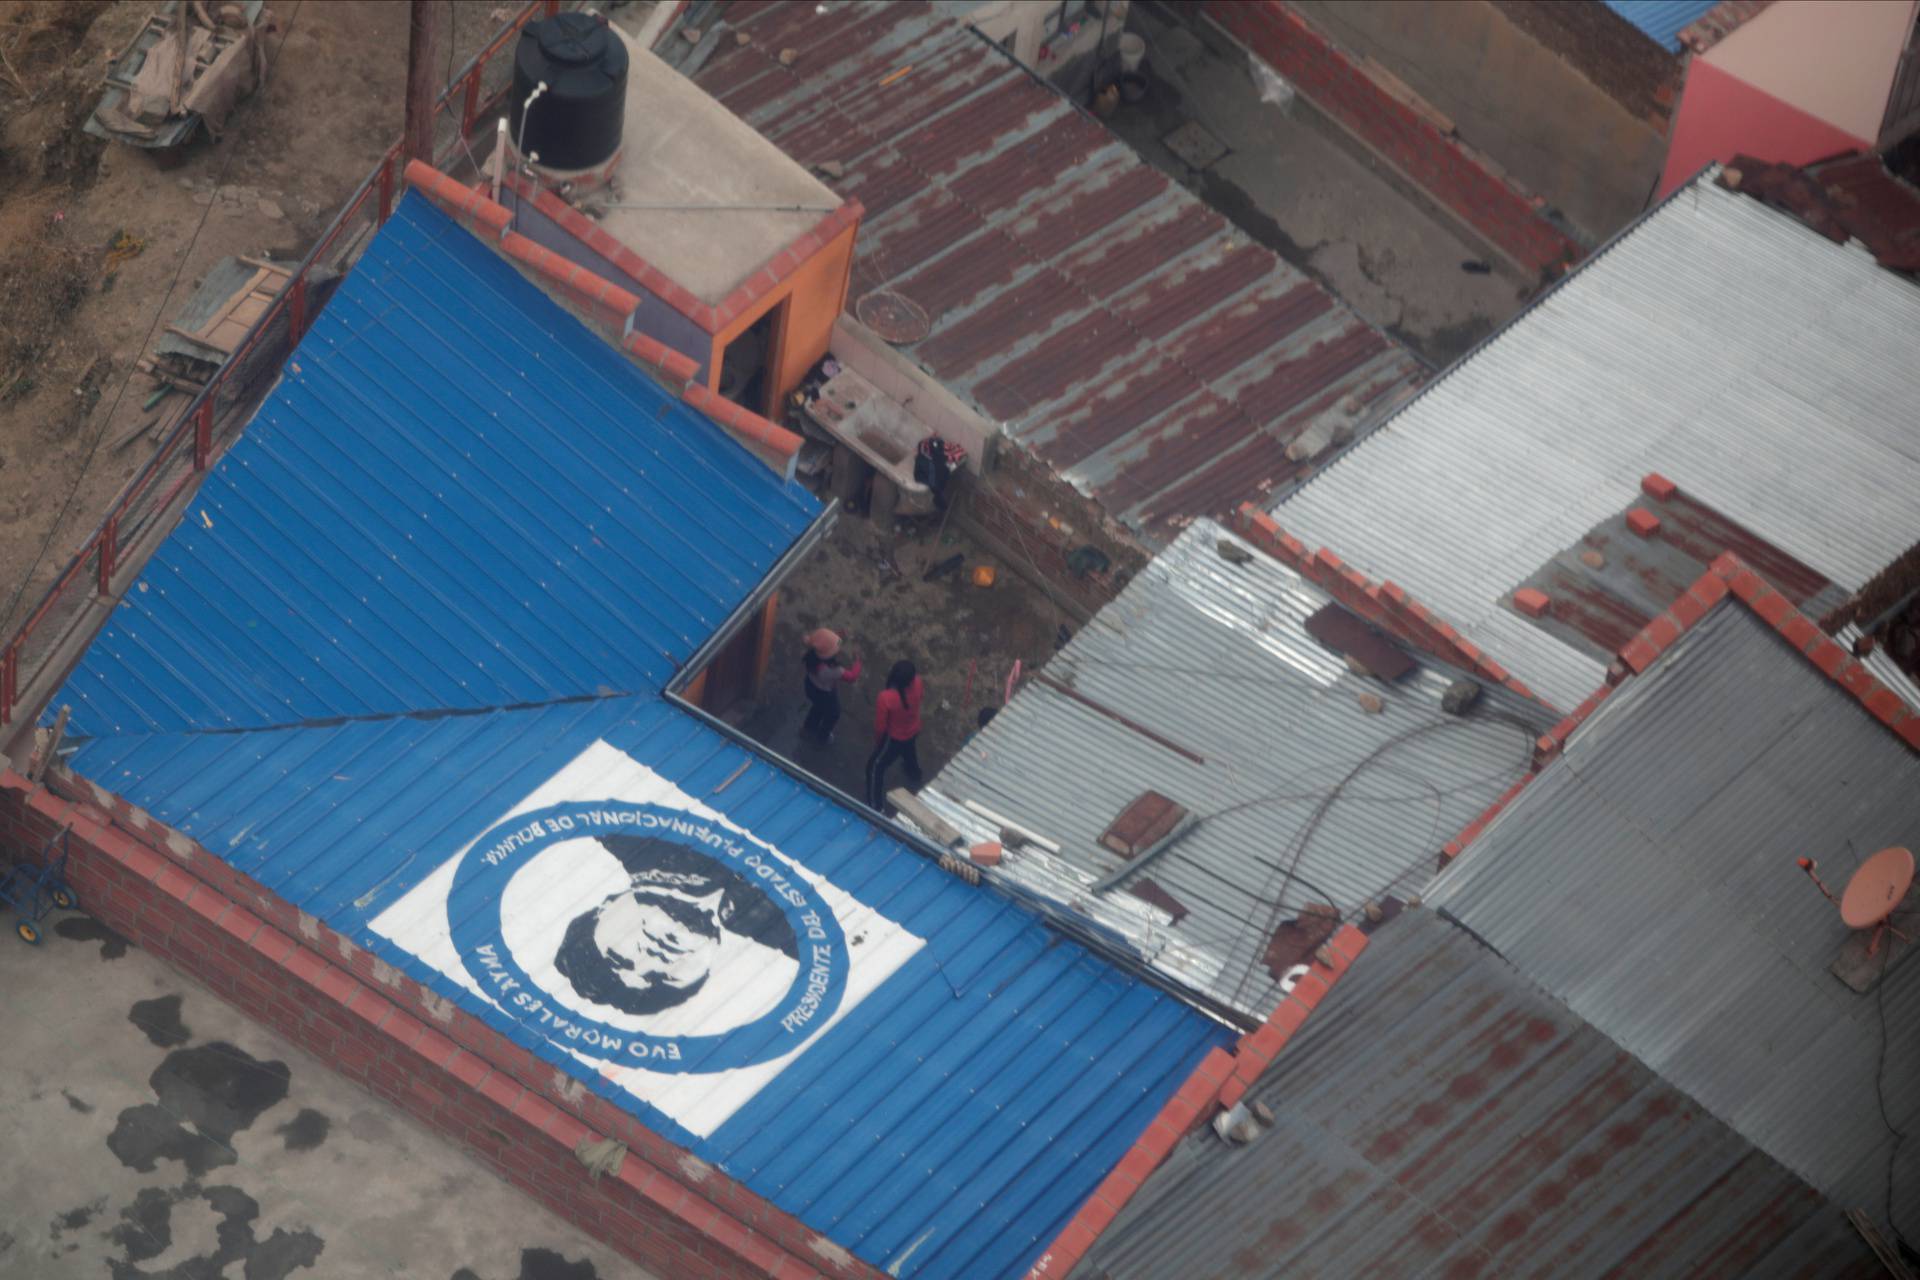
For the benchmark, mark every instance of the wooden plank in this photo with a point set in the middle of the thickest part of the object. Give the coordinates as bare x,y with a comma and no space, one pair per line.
239,295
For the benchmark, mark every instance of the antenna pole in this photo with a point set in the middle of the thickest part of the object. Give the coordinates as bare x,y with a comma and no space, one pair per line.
1812,869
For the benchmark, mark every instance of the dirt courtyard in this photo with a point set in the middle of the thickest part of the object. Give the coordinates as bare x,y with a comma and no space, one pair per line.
75,313
868,586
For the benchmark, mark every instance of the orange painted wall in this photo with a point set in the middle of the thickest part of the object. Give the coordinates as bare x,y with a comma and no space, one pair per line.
816,293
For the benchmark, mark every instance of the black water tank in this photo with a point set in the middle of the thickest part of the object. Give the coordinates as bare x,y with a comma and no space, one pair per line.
576,123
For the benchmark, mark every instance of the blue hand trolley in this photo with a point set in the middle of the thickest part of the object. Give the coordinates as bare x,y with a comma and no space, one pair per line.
32,889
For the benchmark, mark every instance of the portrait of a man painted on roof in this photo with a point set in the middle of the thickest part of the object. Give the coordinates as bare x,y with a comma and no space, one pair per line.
654,944
678,955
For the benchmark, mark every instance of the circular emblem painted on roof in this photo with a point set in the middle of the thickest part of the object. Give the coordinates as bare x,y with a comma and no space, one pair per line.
646,936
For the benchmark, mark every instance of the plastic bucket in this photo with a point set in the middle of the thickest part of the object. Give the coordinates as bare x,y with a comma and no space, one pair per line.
1133,51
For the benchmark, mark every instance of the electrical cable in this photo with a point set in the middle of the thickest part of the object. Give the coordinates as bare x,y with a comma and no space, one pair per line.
93,450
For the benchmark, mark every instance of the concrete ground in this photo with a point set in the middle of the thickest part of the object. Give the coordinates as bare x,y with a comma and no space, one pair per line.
1297,184
150,1131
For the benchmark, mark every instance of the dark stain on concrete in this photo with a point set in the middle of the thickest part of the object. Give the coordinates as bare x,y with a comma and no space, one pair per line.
147,1134
219,1088
146,1231
160,1019
305,1131
76,1218
206,1095
541,1264
545,1264
146,1226
87,929
81,1105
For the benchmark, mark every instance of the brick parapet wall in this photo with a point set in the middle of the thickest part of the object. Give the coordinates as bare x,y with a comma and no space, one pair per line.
408,1046
1440,166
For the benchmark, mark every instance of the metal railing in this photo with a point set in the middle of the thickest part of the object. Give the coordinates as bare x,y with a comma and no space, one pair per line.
216,416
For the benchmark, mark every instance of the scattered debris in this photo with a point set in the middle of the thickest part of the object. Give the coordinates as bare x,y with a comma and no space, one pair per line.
1593,559
946,568
832,168
789,56
1233,552
1371,703
1477,267
1460,697
184,70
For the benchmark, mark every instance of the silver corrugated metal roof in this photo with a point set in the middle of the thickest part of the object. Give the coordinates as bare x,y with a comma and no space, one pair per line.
1647,878
1293,774
1765,370
1440,1116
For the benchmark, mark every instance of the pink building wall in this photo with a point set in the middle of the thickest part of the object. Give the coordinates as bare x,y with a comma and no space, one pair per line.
1799,81
1721,117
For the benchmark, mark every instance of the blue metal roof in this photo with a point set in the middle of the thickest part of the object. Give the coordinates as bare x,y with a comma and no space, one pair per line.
399,663
457,497
1662,20
967,1105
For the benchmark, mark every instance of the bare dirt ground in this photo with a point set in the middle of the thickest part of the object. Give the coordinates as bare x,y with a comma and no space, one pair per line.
868,585
74,314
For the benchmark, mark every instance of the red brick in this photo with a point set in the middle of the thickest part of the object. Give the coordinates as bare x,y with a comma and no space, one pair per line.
1800,631
1857,680
1639,654
1886,705
1830,659
1532,602
1708,591
1771,605
1643,522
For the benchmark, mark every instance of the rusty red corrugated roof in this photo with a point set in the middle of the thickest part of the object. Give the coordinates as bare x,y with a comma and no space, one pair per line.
1128,335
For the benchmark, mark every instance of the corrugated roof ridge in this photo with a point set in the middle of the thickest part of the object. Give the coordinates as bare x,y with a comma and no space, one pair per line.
1729,577
1385,604
1222,1078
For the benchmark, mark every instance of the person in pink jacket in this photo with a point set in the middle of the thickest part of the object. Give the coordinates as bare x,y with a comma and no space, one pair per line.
824,676
896,730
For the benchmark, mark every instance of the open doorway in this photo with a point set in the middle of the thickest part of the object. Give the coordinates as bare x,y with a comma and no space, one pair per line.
746,367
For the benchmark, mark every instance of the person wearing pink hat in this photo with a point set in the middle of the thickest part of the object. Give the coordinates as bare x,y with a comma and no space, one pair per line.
824,675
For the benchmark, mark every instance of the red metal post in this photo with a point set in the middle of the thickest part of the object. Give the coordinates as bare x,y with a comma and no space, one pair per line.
470,103
297,307
203,434
553,7
386,187
109,546
9,675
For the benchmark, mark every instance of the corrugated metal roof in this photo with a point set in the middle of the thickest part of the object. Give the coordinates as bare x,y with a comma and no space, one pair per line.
1766,371
388,646
1136,341
1440,1116
1662,20
1303,795
1647,878
950,1121
447,453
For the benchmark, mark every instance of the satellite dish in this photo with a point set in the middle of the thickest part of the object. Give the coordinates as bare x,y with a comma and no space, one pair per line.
1877,888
